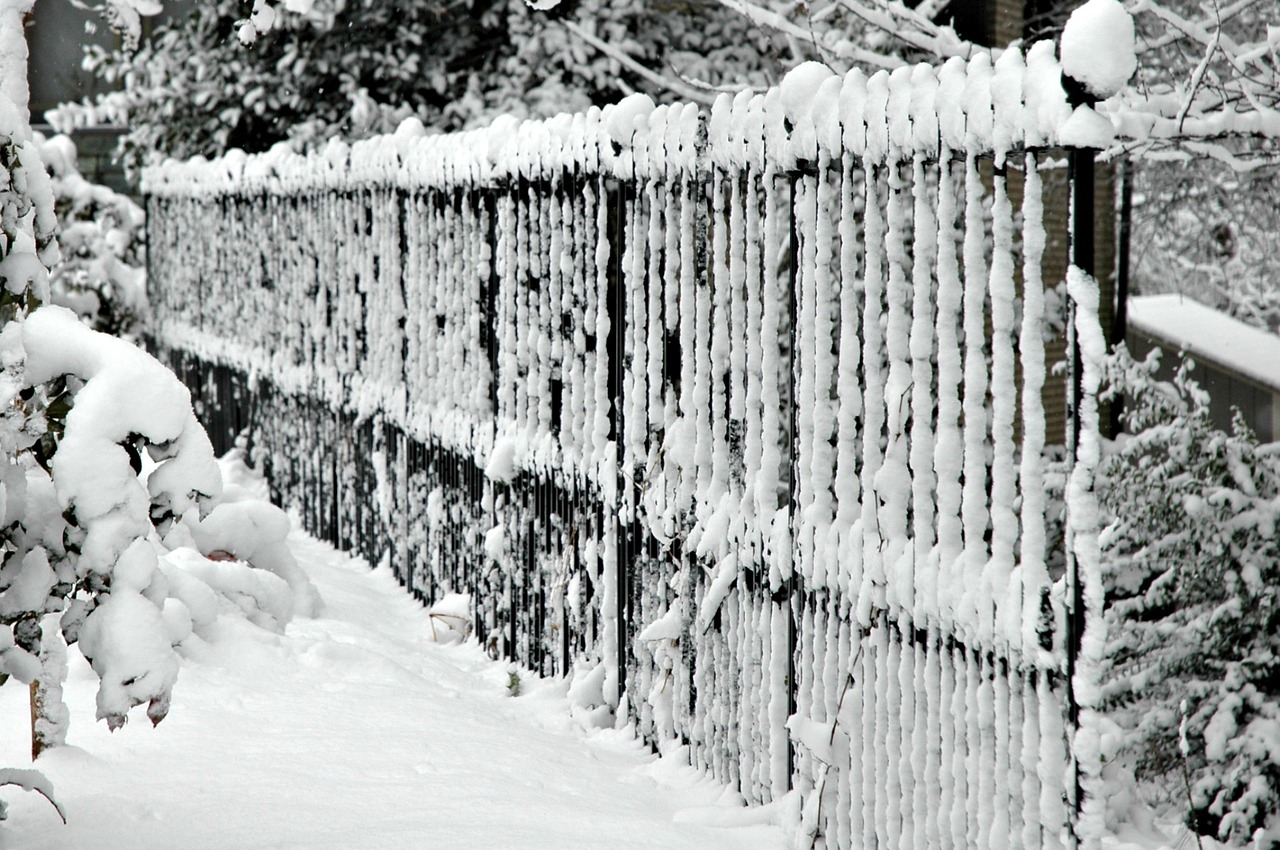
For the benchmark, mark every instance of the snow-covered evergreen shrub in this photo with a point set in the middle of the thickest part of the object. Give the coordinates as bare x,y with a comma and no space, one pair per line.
102,276
113,515
1193,592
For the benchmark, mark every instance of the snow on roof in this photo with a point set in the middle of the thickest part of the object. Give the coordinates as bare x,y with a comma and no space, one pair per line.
1209,334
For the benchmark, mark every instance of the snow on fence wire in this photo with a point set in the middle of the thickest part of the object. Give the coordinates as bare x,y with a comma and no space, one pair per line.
736,416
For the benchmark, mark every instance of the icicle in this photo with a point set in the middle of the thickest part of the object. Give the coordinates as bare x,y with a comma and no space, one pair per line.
808,707
656,410
581,309
751,735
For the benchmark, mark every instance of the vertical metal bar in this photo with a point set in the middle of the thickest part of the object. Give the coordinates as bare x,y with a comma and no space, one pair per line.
1082,257
615,350
795,590
1119,325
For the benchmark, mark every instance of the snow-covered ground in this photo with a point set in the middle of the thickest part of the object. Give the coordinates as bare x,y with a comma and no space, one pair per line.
356,730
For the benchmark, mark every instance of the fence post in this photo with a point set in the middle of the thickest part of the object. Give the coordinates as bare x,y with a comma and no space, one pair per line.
1081,163
1119,323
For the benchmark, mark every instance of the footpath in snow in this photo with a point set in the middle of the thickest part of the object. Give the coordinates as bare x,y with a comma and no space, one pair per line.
356,731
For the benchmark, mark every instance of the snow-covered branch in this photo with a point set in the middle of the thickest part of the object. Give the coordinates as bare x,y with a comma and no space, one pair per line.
674,85
914,27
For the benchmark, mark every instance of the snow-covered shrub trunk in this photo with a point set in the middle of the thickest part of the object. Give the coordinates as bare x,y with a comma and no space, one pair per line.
741,410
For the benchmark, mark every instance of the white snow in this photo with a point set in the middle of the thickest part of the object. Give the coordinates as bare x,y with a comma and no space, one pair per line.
357,730
502,462
1208,335
1098,48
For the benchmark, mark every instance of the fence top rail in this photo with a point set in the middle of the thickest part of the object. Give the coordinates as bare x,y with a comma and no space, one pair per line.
963,107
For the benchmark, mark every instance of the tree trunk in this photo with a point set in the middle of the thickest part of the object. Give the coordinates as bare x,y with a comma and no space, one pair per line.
49,714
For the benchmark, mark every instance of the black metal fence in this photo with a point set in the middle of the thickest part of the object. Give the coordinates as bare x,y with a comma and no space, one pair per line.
742,414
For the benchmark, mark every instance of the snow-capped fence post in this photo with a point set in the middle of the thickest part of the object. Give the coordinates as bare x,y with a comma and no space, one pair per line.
738,415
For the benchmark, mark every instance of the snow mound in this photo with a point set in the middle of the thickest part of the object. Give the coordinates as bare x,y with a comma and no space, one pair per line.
450,618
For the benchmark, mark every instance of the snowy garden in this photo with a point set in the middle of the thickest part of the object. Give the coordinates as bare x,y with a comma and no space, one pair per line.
724,464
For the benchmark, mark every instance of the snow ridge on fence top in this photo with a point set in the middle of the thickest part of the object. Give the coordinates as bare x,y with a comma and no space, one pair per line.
975,107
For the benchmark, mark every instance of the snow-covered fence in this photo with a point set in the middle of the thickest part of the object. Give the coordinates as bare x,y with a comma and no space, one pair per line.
740,413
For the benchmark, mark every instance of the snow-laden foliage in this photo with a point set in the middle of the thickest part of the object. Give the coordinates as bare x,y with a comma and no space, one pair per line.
82,518
102,274
745,406
1193,567
355,68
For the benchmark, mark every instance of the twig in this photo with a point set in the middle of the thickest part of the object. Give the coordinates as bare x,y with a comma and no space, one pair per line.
615,53
1197,77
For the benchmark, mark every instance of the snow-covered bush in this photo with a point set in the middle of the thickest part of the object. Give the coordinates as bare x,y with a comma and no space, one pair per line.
102,276
1194,604
86,519
356,68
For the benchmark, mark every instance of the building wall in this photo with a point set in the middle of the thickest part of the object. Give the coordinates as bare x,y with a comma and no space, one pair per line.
1228,391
